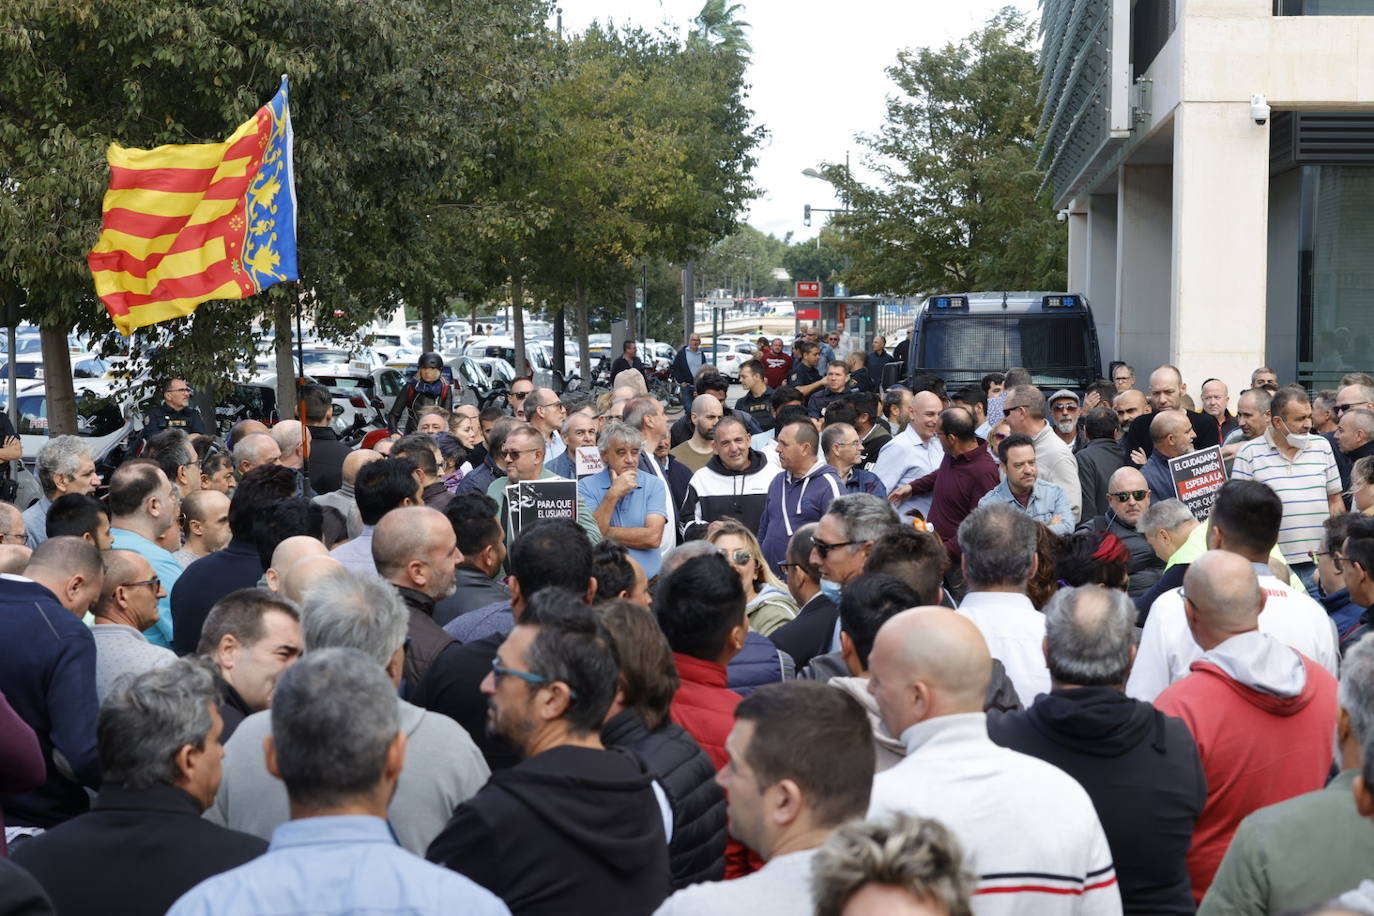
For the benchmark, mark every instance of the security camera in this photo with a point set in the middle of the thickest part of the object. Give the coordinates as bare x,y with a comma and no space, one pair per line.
1259,109
1062,216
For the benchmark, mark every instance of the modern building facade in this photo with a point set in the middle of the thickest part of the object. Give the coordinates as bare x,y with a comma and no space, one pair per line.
1202,236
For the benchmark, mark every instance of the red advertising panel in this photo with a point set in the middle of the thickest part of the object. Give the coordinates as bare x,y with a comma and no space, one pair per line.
801,315
808,289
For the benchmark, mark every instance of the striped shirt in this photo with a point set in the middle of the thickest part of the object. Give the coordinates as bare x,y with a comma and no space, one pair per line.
1304,483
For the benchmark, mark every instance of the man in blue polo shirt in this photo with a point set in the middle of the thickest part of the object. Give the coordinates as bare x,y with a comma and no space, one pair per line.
628,506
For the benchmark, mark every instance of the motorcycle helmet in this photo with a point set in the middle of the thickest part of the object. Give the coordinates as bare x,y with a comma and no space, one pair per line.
430,361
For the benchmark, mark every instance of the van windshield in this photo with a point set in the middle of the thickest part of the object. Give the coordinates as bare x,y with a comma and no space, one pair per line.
1055,348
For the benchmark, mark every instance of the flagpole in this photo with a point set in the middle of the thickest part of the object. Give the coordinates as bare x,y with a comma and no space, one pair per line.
300,395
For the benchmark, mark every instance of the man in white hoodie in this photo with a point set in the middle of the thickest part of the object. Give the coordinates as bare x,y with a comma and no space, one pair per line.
1029,830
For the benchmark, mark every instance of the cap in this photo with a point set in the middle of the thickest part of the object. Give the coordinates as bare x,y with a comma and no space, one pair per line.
1061,394
372,438
430,361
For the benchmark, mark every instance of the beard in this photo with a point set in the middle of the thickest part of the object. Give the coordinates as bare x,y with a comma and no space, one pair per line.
1066,426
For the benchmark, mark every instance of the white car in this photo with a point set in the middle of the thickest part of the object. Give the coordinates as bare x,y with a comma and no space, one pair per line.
106,413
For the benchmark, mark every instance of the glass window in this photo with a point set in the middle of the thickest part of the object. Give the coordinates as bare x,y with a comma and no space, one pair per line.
391,383
1324,7
1337,283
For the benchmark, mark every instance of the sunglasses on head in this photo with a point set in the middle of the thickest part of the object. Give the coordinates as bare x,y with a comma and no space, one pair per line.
1137,495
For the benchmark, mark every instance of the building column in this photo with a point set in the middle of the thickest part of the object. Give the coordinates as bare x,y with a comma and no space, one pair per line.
1100,261
1220,211
1144,253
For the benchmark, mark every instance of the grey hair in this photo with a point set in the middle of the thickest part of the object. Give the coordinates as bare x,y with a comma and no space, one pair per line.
287,434
249,449
998,544
352,610
832,434
864,516
1261,398
618,433
1364,392
1089,632
638,410
1356,692
60,455
1364,421
1168,514
684,552
147,719
918,855
334,714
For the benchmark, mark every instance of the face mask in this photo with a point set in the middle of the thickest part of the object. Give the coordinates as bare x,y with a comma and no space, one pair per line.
1295,440
831,590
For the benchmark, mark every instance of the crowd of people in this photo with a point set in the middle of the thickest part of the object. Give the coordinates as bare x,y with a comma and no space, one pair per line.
833,648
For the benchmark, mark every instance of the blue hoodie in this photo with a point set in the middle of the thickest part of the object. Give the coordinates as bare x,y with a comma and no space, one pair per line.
792,503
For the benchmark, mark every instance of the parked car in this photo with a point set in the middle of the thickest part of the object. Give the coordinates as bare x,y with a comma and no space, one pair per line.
107,411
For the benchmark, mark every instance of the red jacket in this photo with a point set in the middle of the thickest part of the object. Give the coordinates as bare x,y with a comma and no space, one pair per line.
1257,749
705,708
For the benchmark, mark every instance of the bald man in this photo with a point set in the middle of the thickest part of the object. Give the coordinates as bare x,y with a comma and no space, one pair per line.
304,573
254,450
1172,435
1028,829
1166,393
416,550
1128,496
245,428
1263,714
912,454
343,498
287,554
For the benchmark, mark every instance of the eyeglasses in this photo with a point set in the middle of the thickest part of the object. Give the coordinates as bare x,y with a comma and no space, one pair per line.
1137,495
1123,378
824,549
1339,409
513,454
784,567
1337,559
529,677
520,395
1064,407
178,390
740,557
154,582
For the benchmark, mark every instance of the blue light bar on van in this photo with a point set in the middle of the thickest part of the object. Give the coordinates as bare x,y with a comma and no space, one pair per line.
944,303
1061,302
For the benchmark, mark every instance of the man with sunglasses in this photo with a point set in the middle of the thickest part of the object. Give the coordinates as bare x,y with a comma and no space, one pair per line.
127,607
515,399
1128,497
573,827
1352,440
522,455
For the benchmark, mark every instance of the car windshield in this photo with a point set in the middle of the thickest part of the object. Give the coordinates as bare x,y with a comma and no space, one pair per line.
29,343
22,370
96,415
964,348
325,357
344,381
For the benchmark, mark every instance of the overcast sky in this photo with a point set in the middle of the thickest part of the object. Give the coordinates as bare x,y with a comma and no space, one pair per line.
817,78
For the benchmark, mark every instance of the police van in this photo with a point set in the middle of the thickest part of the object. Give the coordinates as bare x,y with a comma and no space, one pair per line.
962,337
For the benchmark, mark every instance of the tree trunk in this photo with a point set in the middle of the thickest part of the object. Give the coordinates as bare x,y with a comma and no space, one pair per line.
583,350
689,306
427,325
517,317
57,381
286,369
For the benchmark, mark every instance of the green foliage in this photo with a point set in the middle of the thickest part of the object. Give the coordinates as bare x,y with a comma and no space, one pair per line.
743,262
955,206
397,105
815,259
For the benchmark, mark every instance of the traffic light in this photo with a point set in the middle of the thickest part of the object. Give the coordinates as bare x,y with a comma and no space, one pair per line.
806,215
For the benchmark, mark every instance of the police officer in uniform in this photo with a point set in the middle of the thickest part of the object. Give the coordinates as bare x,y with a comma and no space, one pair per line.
174,412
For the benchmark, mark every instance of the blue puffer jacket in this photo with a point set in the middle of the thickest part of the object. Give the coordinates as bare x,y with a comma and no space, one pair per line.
759,663
792,503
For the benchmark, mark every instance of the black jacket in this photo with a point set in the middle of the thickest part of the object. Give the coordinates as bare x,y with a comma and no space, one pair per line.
1171,578
873,445
136,852
1138,435
1145,567
425,639
474,589
206,581
452,687
162,417
233,708
20,893
1140,768
621,364
1097,462
567,832
327,456
810,633
688,778
760,408
679,371
401,417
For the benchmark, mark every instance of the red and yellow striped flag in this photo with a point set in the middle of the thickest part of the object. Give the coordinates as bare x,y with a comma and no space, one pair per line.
185,224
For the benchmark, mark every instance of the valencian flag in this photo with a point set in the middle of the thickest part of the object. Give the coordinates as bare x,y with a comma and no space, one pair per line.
184,224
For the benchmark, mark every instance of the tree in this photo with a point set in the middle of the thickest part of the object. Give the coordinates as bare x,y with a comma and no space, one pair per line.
743,262
397,105
718,24
816,259
956,206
